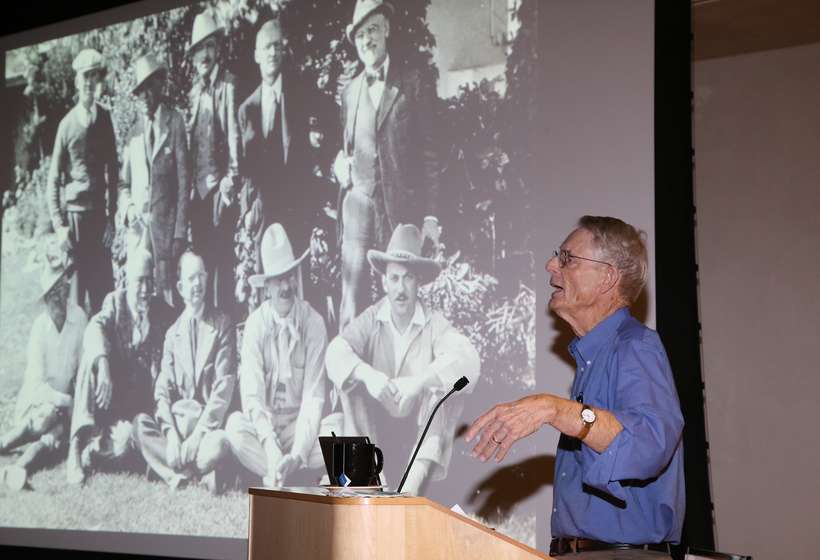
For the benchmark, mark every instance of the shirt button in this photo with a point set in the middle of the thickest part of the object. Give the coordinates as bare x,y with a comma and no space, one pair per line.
582,368
563,474
554,510
589,362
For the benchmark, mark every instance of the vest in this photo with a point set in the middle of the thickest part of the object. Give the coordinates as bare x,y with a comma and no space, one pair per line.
203,146
366,171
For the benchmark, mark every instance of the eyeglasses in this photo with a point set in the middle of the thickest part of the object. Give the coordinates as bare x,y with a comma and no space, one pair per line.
564,256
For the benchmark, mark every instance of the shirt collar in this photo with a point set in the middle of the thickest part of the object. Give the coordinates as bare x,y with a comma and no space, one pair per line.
212,77
587,346
275,89
89,114
385,67
157,116
383,314
273,318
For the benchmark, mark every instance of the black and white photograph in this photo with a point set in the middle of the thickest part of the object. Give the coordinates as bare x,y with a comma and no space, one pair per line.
412,279
234,227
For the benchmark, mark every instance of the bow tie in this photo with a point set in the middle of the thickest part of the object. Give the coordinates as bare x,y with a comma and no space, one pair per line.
376,76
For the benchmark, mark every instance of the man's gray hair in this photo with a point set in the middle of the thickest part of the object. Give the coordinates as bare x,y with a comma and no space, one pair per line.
623,246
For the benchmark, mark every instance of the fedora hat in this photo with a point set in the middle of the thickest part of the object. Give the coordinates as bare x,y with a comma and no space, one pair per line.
405,248
88,59
363,10
277,256
145,67
204,27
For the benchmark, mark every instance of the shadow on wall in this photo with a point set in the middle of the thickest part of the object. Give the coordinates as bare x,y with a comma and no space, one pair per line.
508,486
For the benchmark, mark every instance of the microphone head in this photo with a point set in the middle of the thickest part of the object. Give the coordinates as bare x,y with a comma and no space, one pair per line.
461,383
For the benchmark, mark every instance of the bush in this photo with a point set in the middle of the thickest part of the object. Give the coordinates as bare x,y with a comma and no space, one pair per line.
25,210
502,329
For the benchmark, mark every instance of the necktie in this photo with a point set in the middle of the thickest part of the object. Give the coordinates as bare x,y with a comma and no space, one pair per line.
150,136
194,332
139,331
272,115
285,343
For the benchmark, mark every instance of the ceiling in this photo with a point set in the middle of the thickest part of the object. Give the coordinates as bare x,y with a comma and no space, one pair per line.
730,27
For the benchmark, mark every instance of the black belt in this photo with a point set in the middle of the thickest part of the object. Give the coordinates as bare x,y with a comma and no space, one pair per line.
564,545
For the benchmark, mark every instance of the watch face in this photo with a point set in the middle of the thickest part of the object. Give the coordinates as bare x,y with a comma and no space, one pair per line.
588,415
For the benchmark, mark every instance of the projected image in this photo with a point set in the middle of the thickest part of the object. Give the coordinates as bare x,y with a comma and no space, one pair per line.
230,228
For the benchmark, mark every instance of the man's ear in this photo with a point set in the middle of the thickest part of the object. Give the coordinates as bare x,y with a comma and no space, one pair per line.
610,280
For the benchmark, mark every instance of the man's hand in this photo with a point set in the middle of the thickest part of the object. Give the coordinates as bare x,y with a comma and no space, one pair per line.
506,423
131,215
64,238
173,451
108,235
190,447
432,230
274,456
407,389
287,465
226,190
102,386
341,169
378,385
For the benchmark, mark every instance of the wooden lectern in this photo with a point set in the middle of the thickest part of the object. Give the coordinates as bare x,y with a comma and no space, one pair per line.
312,523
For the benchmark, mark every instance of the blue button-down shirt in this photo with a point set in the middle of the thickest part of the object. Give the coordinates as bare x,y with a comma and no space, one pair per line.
632,492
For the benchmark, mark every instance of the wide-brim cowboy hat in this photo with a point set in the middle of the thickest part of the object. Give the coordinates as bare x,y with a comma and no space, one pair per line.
277,256
405,248
204,26
145,67
363,10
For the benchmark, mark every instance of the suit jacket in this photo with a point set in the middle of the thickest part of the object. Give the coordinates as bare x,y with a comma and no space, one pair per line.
134,368
226,137
208,376
406,142
157,184
285,194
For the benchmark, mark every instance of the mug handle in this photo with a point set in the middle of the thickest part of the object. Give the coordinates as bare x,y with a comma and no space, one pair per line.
379,460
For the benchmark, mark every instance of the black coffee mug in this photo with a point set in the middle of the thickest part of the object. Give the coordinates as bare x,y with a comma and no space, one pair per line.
357,464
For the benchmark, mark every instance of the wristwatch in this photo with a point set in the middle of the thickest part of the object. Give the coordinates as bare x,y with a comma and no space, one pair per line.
588,417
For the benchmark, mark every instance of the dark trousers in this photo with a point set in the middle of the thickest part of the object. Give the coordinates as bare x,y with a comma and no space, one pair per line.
93,276
212,231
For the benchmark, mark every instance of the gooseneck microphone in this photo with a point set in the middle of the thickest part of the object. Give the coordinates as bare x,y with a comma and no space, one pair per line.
457,386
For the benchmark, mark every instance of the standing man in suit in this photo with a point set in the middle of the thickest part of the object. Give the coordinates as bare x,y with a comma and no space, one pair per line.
185,438
214,144
389,154
84,167
277,157
154,184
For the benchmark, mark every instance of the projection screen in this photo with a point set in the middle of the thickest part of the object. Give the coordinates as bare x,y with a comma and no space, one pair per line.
498,124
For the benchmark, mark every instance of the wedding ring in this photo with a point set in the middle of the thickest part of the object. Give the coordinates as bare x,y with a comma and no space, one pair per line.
495,441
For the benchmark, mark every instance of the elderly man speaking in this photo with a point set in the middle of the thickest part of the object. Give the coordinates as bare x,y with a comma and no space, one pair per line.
619,487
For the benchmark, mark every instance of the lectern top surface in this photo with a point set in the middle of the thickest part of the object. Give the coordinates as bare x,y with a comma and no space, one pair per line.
341,496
